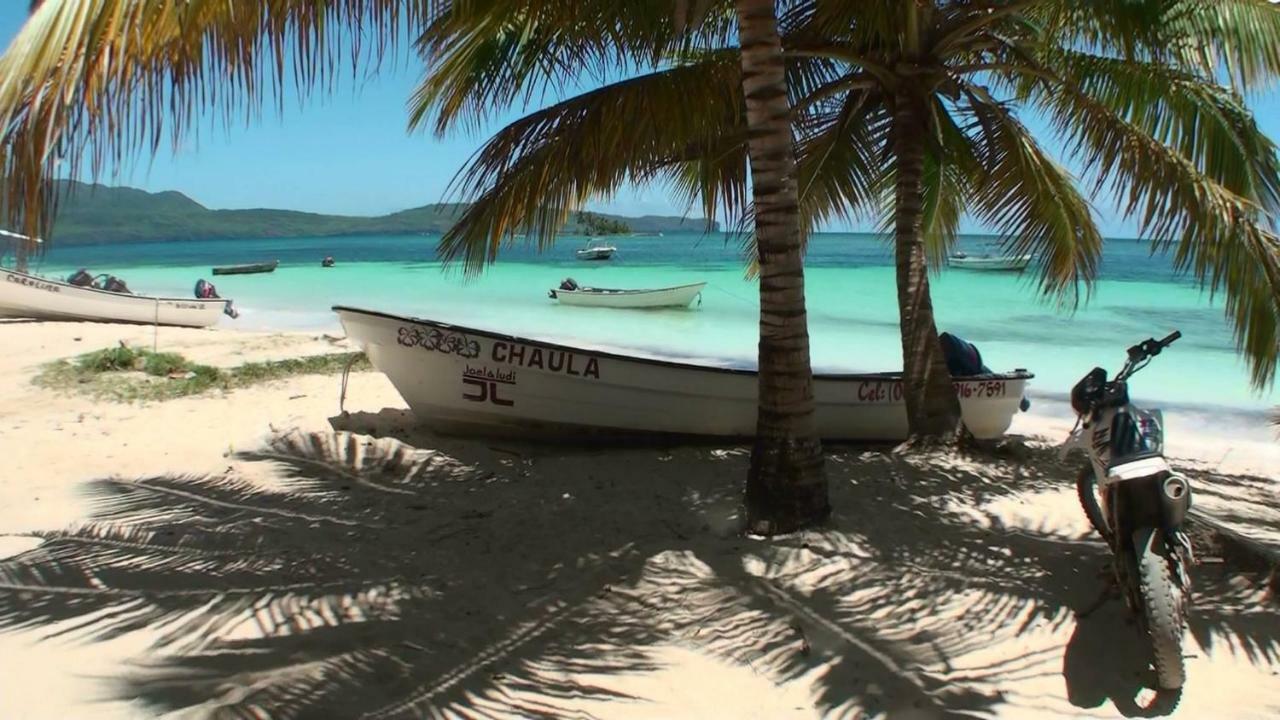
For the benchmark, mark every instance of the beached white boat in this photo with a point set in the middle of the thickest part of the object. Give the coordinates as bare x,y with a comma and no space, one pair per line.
569,293
989,262
465,380
595,251
29,296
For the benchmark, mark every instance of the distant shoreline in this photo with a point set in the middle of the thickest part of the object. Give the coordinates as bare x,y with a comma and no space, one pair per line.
101,214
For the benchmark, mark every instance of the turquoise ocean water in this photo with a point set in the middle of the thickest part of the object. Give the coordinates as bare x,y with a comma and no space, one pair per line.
850,295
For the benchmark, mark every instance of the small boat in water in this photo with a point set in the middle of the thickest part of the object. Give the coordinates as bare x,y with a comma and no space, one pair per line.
989,261
29,296
570,293
466,380
264,267
596,251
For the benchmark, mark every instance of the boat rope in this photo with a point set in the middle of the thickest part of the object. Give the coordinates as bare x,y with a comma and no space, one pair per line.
346,377
739,298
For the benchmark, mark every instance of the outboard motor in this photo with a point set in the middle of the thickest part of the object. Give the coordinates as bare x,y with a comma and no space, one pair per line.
111,283
81,278
205,290
568,284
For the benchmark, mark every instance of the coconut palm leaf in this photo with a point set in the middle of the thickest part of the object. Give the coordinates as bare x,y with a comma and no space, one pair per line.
839,158
487,57
1231,39
1030,199
536,172
100,80
1218,232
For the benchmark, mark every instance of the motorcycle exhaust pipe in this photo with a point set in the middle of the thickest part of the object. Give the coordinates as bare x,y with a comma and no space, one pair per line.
1175,496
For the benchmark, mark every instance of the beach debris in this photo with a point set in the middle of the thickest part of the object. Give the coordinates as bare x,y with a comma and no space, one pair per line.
805,648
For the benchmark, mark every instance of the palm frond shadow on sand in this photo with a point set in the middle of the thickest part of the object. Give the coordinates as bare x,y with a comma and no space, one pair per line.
334,575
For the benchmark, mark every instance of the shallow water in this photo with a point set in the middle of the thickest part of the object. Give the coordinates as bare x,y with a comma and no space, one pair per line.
849,288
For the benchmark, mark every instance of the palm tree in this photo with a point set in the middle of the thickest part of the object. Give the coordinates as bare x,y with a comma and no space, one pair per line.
907,113
786,487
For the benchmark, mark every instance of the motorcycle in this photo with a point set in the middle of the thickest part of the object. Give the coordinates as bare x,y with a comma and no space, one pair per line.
1138,503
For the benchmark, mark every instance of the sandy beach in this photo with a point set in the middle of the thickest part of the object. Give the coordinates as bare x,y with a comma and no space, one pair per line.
257,553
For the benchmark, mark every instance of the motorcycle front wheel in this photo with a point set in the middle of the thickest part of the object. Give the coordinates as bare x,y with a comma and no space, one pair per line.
1086,491
1163,606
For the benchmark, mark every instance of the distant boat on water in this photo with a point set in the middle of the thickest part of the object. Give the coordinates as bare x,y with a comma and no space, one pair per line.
570,293
989,261
252,268
595,250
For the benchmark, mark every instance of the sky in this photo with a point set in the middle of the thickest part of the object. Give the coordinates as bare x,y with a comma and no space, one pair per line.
350,153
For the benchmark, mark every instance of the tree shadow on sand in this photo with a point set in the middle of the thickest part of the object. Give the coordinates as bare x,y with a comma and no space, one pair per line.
335,575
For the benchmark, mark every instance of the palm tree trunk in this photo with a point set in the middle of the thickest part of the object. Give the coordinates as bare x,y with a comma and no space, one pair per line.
933,411
786,484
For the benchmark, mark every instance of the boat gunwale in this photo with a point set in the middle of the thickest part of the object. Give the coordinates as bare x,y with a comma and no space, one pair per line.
246,268
134,296
1018,374
623,291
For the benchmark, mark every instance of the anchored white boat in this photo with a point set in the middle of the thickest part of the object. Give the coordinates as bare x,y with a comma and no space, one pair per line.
30,296
462,379
989,262
596,251
569,293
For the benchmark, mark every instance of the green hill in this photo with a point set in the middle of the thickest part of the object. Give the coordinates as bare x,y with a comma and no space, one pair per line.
95,214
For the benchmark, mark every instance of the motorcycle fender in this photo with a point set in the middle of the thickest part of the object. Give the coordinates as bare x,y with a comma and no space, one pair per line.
1137,469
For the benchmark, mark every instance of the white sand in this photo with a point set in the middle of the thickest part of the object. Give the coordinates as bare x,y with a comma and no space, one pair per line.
237,556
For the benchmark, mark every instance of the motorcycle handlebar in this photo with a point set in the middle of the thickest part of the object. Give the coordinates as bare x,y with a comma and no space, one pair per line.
1147,349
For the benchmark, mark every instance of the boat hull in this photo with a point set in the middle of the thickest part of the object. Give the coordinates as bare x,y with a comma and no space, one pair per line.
992,263
461,378
247,269
595,254
29,296
679,296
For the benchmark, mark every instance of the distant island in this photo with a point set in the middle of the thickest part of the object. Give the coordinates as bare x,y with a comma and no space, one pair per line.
99,214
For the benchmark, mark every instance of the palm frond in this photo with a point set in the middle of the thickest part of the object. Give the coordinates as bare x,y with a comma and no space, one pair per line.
1021,192
1238,40
839,159
486,57
532,174
100,80
1238,37
948,169
1206,123
1218,233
